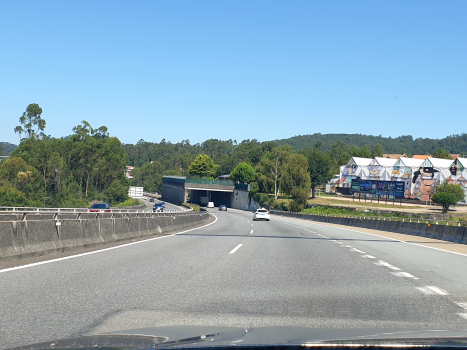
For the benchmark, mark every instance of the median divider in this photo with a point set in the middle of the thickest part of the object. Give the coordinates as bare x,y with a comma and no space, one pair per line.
28,238
456,234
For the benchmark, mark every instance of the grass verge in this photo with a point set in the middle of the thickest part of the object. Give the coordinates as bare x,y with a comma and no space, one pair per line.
195,207
129,202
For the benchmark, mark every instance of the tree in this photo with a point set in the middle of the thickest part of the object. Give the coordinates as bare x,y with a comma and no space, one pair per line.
296,180
68,171
11,197
31,122
272,165
202,166
447,194
445,199
363,152
116,193
319,166
377,151
441,153
243,172
85,129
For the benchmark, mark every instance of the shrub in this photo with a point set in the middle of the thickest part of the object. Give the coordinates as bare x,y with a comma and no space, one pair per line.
445,199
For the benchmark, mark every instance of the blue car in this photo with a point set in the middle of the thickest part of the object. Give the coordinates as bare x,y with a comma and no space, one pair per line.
366,186
158,207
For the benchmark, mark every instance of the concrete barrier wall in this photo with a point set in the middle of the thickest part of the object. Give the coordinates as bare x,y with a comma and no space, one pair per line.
456,234
27,238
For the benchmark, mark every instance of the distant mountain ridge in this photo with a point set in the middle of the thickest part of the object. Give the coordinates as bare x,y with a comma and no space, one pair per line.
402,144
6,148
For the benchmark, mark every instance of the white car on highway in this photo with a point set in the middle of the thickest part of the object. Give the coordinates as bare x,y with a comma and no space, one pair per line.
261,214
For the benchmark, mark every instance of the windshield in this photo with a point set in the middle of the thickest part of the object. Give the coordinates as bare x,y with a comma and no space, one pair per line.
99,206
233,172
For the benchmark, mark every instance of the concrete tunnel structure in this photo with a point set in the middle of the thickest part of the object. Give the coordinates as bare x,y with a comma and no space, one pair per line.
221,192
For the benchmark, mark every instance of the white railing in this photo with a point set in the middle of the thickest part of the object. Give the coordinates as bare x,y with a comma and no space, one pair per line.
81,210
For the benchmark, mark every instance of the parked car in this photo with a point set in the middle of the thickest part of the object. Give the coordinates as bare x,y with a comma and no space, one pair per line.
211,205
100,208
261,214
158,207
223,207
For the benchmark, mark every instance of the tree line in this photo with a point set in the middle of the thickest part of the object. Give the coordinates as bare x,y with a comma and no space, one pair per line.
63,172
456,144
89,165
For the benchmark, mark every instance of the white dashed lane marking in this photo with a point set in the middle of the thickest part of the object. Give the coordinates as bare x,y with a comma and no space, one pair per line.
462,305
432,290
235,249
385,264
427,290
404,274
356,250
251,232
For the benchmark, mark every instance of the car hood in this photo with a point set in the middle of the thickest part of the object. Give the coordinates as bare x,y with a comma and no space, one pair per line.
198,336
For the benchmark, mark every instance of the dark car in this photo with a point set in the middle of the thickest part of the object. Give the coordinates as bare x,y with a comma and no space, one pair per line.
100,208
223,207
151,200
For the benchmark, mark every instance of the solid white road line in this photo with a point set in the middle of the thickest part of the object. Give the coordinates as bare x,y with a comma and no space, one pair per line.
235,249
102,250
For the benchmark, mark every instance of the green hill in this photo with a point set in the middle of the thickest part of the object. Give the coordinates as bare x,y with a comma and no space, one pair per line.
402,144
6,148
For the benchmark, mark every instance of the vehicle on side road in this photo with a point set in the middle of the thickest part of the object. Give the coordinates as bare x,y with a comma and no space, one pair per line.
100,208
223,207
211,205
261,214
158,207
151,200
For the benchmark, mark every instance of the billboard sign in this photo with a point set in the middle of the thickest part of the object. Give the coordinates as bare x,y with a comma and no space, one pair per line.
386,188
363,186
391,188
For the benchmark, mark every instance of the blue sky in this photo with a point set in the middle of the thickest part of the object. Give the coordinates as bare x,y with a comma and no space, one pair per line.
235,69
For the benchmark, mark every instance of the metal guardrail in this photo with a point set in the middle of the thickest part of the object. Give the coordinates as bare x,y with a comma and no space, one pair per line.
370,217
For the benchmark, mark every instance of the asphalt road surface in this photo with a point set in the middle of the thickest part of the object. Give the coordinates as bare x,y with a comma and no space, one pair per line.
238,272
168,206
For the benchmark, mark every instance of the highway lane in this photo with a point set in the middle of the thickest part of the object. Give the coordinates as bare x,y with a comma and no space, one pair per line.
236,272
168,206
